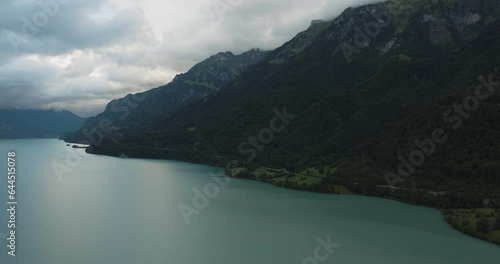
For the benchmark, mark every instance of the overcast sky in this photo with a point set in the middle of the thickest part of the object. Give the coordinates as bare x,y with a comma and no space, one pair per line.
80,54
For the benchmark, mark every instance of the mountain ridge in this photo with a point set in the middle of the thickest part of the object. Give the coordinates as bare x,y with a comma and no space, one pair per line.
134,111
16,124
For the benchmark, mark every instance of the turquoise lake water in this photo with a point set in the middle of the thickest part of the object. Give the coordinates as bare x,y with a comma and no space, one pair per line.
105,210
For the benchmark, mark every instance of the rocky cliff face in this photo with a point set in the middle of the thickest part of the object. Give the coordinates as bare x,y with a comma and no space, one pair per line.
413,28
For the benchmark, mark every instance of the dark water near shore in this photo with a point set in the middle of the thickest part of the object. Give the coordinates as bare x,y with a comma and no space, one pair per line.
118,211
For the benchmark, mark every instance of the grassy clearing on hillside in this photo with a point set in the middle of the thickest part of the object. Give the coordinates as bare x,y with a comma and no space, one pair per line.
308,178
304,180
481,222
237,172
403,57
319,172
340,189
263,173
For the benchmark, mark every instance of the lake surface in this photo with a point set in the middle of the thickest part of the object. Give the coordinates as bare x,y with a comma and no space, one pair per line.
120,211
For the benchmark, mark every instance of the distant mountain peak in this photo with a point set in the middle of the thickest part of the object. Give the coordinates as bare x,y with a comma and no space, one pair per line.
222,56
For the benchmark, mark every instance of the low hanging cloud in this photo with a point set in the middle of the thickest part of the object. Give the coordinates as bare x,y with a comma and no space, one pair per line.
79,55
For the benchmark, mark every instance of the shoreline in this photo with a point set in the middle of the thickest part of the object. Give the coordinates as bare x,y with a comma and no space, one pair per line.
442,211
341,187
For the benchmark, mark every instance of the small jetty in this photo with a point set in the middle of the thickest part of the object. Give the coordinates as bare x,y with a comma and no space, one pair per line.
80,147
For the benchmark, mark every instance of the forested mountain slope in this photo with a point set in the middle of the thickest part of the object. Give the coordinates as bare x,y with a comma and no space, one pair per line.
363,87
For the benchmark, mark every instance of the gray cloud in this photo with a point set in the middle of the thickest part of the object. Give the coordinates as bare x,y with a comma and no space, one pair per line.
79,55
